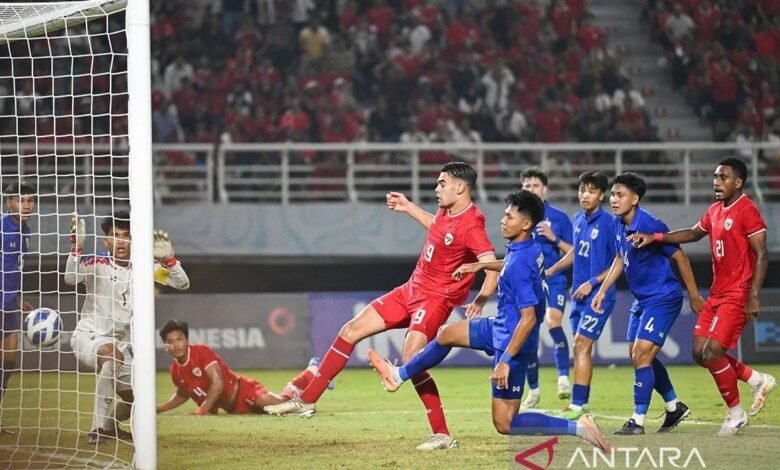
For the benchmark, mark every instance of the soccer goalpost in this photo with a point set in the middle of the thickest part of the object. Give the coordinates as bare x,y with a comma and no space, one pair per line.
75,122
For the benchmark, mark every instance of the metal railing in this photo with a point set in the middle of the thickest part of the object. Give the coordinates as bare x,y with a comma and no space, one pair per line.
289,173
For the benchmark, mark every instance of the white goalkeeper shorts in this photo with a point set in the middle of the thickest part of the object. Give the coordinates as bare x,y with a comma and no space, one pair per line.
86,345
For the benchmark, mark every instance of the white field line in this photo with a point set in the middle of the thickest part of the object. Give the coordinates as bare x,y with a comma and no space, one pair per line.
93,461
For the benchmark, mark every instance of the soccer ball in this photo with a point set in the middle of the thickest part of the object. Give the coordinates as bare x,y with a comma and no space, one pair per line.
42,327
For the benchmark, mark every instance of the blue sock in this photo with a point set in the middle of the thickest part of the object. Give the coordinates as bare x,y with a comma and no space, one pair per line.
587,395
644,381
663,385
533,373
539,423
431,355
9,368
579,394
561,350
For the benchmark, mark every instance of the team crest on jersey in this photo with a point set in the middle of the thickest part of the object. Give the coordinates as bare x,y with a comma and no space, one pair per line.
729,223
448,238
594,233
197,372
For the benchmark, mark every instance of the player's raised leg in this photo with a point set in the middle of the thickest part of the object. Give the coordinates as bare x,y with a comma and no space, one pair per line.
367,323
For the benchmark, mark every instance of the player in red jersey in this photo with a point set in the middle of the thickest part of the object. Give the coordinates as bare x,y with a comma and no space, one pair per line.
199,373
456,235
739,262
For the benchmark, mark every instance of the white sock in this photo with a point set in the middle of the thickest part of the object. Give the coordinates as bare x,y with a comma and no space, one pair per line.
104,395
575,407
563,380
638,419
533,391
736,411
396,375
671,405
756,379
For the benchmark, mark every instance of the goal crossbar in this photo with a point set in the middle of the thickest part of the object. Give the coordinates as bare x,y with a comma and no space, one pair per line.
25,20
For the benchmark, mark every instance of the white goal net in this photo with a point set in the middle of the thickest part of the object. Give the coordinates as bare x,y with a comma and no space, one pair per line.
63,130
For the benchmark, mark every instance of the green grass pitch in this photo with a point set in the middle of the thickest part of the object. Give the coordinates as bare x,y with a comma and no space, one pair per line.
359,425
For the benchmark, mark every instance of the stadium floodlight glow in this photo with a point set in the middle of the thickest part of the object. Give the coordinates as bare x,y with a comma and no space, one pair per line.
75,121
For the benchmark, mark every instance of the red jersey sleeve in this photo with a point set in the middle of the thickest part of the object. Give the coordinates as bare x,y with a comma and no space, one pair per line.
477,240
204,356
705,223
752,222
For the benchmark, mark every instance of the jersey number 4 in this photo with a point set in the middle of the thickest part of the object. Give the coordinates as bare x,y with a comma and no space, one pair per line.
199,392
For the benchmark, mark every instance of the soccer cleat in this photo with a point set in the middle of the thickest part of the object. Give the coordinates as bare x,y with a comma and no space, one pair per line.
530,401
564,389
673,418
573,415
100,435
292,407
732,425
385,371
630,429
439,441
761,392
589,432
5,431
315,362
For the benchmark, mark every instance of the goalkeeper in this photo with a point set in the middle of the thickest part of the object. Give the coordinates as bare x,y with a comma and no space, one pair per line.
101,341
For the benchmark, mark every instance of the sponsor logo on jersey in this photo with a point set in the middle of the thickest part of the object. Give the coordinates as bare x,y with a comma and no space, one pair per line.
197,372
729,223
594,233
448,238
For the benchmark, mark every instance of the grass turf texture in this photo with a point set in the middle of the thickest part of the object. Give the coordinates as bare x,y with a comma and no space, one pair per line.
360,425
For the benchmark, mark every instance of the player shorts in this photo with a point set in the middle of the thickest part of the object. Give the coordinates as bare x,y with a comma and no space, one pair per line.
586,322
85,346
652,320
481,338
557,294
249,390
722,319
10,322
406,307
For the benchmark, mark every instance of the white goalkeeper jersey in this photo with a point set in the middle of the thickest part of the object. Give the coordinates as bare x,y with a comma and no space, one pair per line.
108,308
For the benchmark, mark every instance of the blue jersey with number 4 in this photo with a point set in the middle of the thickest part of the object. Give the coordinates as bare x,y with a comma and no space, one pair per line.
594,247
15,242
648,270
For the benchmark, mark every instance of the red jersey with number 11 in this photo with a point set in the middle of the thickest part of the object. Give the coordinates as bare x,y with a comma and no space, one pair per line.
730,228
191,377
452,241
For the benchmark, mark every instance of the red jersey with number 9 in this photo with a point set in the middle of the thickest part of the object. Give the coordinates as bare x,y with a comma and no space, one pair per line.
452,241
730,228
192,379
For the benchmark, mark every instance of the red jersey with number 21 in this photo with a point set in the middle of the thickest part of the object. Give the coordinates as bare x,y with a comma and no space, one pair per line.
452,241
730,229
191,376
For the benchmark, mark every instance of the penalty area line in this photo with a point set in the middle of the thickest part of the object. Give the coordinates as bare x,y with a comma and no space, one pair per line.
93,461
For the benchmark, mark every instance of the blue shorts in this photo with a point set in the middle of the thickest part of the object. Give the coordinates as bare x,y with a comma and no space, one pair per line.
557,294
586,322
652,319
481,338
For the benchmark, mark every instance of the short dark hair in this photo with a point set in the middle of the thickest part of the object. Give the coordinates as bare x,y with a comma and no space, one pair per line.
19,188
175,325
534,172
594,178
462,171
120,219
528,203
632,181
738,166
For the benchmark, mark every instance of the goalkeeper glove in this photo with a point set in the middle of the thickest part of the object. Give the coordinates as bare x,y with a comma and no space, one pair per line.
78,233
163,249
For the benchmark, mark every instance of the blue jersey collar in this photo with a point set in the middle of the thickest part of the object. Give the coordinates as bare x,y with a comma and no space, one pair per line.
519,245
633,226
595,215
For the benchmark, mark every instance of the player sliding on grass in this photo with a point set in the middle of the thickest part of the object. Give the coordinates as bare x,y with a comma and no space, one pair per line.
739,262
592,255
511,337
659,299
199,373
456,235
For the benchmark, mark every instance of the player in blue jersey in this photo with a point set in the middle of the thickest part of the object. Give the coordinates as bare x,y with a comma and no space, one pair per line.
15,238
658,295
592,255
511,337
554,235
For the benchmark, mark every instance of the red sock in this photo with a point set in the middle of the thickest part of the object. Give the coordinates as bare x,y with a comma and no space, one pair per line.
742,370
429,394
335,360
726,379
301,381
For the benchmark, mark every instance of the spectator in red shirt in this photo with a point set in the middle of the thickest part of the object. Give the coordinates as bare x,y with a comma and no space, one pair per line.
551,122
706,18
588,35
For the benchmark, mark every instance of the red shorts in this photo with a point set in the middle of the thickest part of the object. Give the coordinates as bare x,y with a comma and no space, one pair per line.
722,319
405,307
249,390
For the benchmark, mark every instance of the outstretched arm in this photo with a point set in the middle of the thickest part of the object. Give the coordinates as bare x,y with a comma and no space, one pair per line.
215,389
167,269
177,399
489,285
686,273
399,203
758,245
75,272
677,237
562,264
607,281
